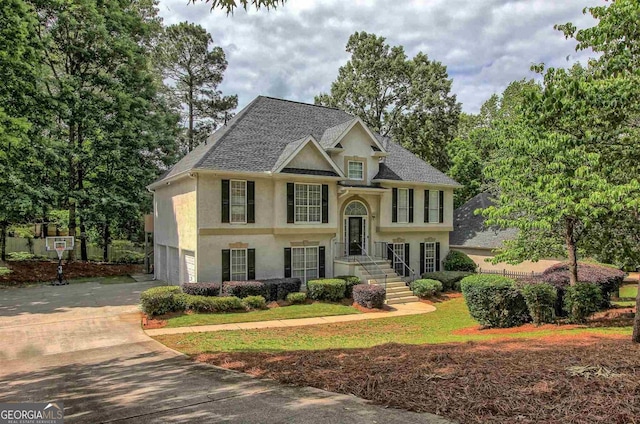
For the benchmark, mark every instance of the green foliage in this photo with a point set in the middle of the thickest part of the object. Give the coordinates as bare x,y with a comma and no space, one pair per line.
541,300
128,257
458,261
4,271
581,301
408,99
208,304
350,280
254,302
426,287
230,5
331,289
297,298
494,301
161,300
23,256
450,279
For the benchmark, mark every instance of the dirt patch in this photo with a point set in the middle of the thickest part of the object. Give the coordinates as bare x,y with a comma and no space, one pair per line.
441,297
527,328
43,271
362,309
577,379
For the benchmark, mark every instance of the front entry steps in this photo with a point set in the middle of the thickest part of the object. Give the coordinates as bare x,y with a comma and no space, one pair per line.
397,290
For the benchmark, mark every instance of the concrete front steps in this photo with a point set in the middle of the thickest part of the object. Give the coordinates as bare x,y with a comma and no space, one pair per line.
397,289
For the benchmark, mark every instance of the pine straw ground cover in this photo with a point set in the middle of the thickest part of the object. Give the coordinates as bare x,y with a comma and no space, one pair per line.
24,272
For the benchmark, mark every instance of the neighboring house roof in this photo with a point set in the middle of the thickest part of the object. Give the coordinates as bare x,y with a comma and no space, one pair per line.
469,229
263,134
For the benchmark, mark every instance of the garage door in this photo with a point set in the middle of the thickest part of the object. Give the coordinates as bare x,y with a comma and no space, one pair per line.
160,259
189,267
173,263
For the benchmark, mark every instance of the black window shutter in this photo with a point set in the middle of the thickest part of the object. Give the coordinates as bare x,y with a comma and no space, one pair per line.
287,262
410,205
225,200
426,206
290,203
325,203
251,264
422,257
394,205
441,204
251,202
321,262
406,259
438,255
390,252
226,265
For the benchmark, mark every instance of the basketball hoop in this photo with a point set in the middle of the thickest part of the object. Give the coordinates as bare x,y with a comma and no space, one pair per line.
59,245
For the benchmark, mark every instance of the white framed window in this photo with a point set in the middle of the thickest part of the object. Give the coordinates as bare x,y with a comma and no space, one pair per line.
355,170
434,206
403,205
304,263
238,264
429,257
238,199
308,202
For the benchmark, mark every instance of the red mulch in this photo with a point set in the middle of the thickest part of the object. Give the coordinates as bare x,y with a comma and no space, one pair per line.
385,308
506,381
41,271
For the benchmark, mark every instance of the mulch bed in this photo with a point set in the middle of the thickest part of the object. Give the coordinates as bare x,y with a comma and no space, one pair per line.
570,379
42,271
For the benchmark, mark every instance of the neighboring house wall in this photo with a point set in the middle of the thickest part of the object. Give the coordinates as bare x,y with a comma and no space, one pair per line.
481,256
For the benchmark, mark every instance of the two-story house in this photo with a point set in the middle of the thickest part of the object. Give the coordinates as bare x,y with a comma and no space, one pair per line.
294,189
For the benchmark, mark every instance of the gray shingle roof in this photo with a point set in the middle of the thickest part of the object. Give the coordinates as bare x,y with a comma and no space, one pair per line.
469,229
261,135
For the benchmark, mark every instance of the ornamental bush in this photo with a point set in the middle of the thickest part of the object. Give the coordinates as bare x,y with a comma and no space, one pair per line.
279,288
494,301
458,261
243,289
350,280
201,289
255,302
426,287
208,304
331,289
297,298
369,295
581,301
160,300
450,279
541,301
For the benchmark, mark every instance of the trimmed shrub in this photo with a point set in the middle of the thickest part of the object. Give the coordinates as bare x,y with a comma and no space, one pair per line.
331,289
161,300
279,288
450,279
128,257
494,301
369,295
207,304
4,271
243,289
458,261
255,302
541,301
24,256
201,289
297,298
582,300
426,287
350,280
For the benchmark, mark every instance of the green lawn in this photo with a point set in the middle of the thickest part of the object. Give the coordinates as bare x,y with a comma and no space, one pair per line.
630,290
287,312
436,327
117,279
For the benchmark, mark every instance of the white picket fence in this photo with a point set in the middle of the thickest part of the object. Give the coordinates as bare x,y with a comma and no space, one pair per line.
18,244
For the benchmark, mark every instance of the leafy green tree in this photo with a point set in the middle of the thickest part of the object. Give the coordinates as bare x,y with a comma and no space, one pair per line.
408,99
187,57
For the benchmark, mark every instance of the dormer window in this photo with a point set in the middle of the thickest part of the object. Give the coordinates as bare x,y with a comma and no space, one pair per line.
355,170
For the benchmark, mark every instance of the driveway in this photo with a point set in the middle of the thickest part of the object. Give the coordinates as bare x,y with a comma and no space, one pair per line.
82,344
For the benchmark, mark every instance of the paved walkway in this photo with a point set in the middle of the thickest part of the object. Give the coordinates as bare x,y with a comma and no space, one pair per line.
399,310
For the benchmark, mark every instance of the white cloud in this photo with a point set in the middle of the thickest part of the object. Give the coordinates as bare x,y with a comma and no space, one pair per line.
296,50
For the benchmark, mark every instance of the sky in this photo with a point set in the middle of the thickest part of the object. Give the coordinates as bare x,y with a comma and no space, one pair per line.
295,51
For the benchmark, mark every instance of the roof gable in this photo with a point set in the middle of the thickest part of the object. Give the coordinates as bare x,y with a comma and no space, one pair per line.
334,135
306,153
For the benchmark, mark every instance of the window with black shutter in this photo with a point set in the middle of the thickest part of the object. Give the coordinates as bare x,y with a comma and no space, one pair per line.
251,202
225,201
291,206
287,262
226,265
251,264
441,206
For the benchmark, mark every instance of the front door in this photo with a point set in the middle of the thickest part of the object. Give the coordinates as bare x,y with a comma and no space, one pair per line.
355,235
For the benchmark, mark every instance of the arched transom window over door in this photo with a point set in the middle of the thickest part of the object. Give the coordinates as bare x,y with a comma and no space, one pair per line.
355,209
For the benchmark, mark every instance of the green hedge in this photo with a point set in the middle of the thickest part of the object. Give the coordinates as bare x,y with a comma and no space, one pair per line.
297,298
458,261
541,300
207,304
494,301
331,289
160,300
350,280
450,279
255,302
581,301
426,287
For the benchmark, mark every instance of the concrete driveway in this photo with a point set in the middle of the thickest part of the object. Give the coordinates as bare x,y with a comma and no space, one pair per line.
82,344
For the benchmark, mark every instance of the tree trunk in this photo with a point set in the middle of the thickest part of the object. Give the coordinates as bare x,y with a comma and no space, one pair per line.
105,243
83,241
636,322
72,186
571,251
3,241
190,130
